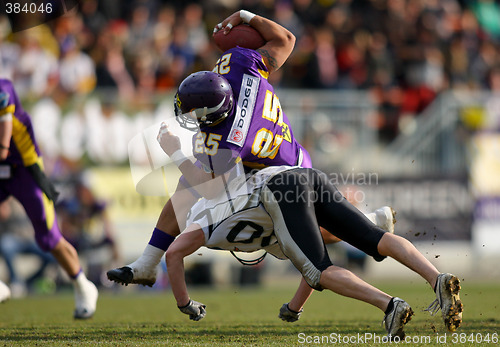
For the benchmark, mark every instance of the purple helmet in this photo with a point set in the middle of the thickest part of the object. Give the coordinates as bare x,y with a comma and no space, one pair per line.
203,99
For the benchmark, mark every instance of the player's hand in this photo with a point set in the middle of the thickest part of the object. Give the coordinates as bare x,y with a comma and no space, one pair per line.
195,310
288,315
228,23
168,141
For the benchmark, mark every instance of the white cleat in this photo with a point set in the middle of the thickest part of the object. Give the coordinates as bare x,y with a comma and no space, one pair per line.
385,218
85,300
395,320
448,300
4,292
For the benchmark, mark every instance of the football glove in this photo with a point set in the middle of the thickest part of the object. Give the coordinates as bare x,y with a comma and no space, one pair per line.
195,310
289,315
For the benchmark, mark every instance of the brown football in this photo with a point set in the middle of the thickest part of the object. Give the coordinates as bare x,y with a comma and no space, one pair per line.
242,35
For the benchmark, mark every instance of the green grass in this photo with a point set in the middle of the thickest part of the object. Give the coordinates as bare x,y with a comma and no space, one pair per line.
236,317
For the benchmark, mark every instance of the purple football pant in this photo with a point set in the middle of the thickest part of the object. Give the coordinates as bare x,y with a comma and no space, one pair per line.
38,207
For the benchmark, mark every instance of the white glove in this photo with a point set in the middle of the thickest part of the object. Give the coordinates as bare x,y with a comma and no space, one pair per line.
195,310
288,315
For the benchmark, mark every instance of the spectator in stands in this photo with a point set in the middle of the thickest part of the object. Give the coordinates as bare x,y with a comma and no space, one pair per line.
36,72
447,44
77,70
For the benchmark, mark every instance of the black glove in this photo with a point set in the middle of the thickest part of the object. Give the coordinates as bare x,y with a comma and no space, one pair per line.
43,182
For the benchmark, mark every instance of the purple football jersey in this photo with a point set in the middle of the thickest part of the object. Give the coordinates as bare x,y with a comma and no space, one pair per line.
23,147
259,132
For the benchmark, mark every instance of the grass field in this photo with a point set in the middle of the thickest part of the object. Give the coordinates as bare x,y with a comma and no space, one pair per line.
243,317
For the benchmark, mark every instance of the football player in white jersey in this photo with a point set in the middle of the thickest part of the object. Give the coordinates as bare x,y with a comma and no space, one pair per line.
280,210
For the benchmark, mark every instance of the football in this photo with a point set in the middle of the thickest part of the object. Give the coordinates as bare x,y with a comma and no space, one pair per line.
242,35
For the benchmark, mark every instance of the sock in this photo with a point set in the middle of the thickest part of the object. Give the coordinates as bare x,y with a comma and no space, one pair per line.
154,251
161,240
435,286
74,277
79,280
149,258
390,306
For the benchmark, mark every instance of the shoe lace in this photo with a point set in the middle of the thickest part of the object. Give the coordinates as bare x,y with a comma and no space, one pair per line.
433,308
384,323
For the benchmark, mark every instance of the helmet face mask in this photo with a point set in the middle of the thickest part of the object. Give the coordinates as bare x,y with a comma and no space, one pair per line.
203,99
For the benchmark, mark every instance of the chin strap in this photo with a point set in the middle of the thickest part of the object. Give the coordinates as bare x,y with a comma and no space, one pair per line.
250,262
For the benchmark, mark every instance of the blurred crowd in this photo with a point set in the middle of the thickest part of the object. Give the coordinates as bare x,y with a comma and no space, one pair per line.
403,51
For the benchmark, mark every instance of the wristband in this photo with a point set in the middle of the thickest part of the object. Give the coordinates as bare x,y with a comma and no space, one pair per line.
178,157
190,301
7,117
4,147
246,16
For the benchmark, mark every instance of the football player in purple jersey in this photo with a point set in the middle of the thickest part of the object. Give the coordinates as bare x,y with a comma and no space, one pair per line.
22,176
238,118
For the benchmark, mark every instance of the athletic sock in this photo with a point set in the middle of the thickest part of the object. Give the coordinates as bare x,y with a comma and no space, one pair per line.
150,257
79,280
161,240
390,307
74,277
154,251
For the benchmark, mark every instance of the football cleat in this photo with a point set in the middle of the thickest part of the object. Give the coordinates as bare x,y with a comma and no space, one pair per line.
128,274
395,320
4,292
448,300
85,300
384,217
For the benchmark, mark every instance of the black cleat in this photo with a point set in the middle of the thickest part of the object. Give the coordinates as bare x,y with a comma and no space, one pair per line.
125,275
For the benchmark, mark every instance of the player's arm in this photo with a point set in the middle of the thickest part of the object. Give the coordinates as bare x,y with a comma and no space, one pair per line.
5,135
185,244
204,183
279,40
291,311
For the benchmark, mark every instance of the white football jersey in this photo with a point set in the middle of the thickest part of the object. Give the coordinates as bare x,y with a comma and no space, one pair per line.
236,220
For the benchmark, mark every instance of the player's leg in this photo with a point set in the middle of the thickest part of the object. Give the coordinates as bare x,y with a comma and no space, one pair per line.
397,311
143,270
384,217
405,252
353,227
289,199
40,210
446,286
